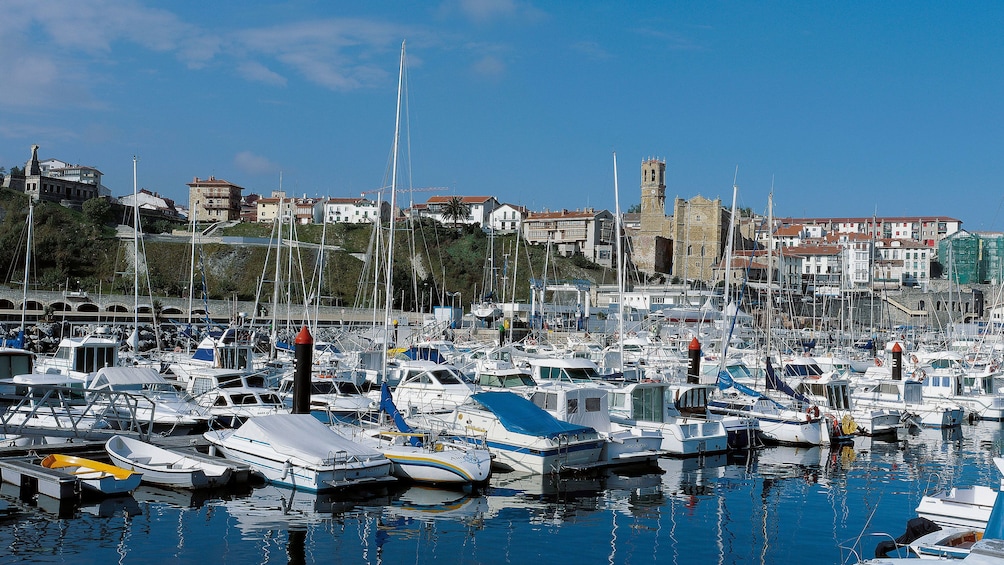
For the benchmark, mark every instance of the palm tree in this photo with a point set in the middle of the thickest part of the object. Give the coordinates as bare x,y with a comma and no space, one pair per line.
456,210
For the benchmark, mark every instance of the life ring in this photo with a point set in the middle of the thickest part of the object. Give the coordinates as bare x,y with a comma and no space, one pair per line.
531,341
878,362
812,411
913,359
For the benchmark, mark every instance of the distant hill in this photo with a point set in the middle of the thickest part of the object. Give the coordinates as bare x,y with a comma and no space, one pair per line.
433,264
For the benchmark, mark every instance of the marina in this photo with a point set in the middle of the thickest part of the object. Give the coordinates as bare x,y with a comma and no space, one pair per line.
774,505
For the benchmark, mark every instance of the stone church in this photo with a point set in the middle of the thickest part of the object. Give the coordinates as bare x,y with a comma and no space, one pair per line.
688,244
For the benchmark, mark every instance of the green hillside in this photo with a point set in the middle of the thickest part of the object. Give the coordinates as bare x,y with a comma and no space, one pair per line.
433,264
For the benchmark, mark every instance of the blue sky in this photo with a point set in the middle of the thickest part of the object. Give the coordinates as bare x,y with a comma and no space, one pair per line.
846,108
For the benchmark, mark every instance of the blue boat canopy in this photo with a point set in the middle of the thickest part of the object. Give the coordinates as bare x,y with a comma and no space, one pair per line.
521,416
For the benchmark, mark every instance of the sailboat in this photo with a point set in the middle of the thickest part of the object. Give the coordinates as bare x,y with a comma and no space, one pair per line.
488,309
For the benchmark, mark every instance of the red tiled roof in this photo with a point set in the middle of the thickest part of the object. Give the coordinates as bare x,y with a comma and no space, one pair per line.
464,199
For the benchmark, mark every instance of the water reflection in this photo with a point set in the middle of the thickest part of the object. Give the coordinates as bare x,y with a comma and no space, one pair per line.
771,506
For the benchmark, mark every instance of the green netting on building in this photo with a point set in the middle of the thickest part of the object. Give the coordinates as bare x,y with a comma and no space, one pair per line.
972,258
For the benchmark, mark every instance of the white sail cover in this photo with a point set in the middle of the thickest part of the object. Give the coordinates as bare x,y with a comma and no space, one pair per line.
301,436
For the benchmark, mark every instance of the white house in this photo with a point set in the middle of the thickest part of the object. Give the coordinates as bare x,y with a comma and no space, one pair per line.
903,262
506,218
480,208
350,211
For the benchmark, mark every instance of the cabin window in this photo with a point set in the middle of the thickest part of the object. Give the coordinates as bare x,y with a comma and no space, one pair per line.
647,404
490,380
545,401
618,400
592,405
15,365
572,406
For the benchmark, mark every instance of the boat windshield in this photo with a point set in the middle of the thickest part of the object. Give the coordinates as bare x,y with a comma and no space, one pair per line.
505,380
802,370
446,377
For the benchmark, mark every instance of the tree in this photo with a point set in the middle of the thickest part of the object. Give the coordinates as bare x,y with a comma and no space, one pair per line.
456,210
634,209
97,210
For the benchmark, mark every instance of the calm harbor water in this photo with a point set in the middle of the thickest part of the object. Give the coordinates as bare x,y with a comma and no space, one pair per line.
774,506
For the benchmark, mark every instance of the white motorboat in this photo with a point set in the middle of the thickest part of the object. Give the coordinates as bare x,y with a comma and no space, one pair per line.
438,388
331,393
831,391
298,451
965,507
231,407
779,424
588,406
139,396
876,389
966,548
650,406
520,435
417,456
166,467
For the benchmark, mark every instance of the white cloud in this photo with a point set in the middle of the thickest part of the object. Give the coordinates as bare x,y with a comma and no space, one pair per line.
490,11
248,162
335,53
490,66
592,50
257,72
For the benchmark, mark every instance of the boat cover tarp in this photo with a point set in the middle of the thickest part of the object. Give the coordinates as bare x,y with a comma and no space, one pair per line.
206,350
725,381
915,529
995,523
521,416
121,378
776,383
302,436
16,342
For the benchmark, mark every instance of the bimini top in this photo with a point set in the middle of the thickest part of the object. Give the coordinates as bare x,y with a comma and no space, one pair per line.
519,415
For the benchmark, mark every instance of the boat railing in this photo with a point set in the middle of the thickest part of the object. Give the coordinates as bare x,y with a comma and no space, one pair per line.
851,551
339,458
70,417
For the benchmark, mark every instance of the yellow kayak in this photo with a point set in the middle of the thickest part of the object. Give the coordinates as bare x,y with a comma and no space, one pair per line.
95,475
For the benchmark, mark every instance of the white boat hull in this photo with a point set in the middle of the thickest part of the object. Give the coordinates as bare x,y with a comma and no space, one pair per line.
164,467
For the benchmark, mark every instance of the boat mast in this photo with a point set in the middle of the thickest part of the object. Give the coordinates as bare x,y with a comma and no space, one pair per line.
620,271
278,273
730,242
134,340
389,270
27,264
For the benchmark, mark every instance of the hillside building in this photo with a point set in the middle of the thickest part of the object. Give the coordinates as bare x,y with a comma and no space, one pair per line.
57,181
214,200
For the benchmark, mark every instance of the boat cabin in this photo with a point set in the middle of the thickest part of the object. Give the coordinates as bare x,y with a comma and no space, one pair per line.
82,356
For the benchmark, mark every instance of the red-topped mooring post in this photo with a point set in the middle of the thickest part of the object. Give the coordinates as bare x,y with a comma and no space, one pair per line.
897,362
694,362
303,352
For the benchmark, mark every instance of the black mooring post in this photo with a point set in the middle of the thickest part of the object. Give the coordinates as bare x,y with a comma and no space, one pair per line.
897,362
304,355
694,362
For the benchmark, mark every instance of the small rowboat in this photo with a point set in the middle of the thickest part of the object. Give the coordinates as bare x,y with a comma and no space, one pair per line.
165,467
94,475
